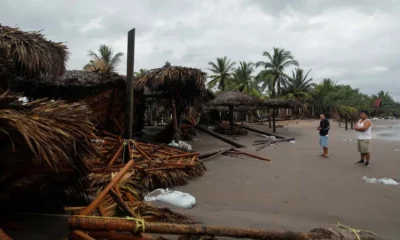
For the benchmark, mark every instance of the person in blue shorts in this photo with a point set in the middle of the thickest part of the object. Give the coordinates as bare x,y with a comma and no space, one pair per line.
323,135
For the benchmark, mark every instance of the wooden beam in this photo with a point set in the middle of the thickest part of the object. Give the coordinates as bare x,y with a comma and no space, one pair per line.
99,199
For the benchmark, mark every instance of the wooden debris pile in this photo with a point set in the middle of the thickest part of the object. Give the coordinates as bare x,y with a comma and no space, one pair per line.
156,166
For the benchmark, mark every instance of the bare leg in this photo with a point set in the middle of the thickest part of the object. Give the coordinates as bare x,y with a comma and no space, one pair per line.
325,151
362,156
367,155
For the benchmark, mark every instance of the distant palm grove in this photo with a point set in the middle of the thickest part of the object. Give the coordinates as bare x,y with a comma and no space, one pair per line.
273,81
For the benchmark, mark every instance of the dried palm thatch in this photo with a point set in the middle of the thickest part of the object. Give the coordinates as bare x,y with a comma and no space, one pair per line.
279,103
71,86
234,98
173,77
103,93
54,131
7,67
32,53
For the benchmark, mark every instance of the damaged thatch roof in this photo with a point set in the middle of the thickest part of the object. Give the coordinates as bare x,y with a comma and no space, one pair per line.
279,103
173,77
31,53
55,132
71,84
234,98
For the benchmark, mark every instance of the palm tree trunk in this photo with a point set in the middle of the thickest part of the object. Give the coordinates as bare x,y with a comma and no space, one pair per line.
278,89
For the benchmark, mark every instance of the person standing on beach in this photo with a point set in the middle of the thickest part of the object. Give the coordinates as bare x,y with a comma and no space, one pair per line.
364,136
323,134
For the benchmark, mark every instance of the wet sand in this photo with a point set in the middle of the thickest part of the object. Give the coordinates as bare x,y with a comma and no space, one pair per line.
298,190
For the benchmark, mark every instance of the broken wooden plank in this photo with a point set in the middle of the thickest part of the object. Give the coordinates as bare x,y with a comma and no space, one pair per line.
96,202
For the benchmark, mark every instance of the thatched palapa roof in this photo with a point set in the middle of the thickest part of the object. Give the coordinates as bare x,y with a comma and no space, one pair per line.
30,53
234,98
279,103
174,78
55,132
73,84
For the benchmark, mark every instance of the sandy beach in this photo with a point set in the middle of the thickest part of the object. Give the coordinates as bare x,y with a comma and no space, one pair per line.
298,190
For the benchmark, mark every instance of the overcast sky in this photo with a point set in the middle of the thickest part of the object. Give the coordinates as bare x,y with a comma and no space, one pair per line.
354,42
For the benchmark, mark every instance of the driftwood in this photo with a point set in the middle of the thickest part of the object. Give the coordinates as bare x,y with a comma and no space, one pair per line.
98,224
220,137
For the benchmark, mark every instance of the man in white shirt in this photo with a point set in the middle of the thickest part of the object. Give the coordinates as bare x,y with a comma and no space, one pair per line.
364,136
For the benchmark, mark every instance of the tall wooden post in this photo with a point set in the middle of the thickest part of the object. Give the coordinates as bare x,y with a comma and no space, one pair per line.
274,111
129,108
231,119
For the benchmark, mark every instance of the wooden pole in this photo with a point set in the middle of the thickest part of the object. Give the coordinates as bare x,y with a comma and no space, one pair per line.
174,118
231,119
269,119
129,85
98,224
118,199
260,132
274,120
97,201
219,136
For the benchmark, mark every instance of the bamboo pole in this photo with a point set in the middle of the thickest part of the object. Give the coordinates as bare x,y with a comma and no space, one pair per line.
98,224
96,202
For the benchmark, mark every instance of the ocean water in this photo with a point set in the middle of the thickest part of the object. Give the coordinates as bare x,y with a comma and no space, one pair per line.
386,129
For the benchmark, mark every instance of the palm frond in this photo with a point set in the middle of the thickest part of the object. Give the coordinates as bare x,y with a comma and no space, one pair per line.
31,53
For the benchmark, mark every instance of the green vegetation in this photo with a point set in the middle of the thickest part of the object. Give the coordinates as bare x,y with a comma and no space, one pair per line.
272,81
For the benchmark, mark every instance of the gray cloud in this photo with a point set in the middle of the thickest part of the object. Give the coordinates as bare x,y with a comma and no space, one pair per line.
354,42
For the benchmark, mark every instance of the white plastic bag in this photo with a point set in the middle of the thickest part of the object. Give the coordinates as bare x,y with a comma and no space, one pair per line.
384,180
174,198
181,144
387,181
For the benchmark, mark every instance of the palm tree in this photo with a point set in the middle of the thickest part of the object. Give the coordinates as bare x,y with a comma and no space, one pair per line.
326,96
222,71
273,75
243,80
298,87
105,62
141,72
